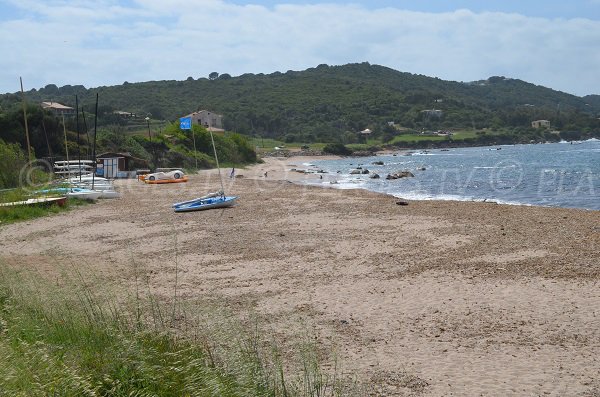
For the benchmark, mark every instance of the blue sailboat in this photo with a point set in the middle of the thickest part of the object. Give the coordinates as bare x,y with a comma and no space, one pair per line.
211,200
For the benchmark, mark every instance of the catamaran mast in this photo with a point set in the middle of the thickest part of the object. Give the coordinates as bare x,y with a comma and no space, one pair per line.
78,148
94,147
217,160
66,149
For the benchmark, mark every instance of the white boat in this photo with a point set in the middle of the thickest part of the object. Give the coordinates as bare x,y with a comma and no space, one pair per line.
90,178
98,187
84,194
106,191
67,162
73,192
73,167
37,201
93,183
71,171
109,194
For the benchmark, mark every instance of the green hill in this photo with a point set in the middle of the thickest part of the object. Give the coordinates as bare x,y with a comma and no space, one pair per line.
333,103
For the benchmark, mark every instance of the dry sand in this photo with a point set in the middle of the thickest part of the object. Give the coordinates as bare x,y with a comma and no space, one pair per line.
432,299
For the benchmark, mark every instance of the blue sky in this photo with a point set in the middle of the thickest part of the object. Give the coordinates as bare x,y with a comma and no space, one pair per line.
532,8
106,42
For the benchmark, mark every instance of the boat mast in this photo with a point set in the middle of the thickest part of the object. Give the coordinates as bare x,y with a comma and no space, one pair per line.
66,148
94,146
78,148
217,160
26,125
87,135
47,141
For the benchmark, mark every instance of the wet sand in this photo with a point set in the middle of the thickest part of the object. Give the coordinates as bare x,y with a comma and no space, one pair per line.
429,299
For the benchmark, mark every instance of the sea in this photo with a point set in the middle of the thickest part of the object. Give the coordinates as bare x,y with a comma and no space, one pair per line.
565,174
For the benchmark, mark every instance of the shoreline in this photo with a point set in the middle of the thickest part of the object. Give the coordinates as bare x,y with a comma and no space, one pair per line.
284,169
434,298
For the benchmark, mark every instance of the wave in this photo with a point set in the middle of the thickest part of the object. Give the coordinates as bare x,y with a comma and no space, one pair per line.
513,177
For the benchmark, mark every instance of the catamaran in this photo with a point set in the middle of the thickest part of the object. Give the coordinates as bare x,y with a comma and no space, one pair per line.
211,200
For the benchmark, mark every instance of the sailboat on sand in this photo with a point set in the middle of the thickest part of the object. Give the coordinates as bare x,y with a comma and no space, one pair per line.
211,200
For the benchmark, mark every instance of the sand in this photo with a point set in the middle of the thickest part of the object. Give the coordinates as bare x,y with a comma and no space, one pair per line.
430,299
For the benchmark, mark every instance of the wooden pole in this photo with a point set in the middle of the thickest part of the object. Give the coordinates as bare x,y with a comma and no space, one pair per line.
26,125
195,154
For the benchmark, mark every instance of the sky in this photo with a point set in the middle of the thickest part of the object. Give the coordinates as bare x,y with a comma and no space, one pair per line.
554,43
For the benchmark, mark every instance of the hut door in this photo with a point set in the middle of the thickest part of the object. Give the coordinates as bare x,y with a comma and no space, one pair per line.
111,167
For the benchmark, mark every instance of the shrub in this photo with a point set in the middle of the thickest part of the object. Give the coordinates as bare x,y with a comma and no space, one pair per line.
337,148
12,161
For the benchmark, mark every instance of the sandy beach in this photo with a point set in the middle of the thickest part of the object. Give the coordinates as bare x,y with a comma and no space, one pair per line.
433,298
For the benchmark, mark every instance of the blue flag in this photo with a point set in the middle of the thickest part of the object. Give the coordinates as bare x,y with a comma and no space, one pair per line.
185,123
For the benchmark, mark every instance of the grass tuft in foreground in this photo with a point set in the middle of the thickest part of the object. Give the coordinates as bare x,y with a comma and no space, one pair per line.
68,341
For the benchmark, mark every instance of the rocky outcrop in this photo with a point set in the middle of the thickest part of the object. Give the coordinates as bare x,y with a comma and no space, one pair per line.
400,174
363,153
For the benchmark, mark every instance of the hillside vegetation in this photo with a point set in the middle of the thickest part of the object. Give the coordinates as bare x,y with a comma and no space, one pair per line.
333,103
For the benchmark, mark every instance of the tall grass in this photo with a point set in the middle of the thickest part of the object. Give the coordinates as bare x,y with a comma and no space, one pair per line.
18,213
71,339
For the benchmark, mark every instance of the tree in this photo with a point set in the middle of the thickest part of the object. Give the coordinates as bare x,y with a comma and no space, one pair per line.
213,76
12,161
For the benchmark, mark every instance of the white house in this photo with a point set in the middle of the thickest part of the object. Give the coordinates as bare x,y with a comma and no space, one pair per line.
540,124
433,112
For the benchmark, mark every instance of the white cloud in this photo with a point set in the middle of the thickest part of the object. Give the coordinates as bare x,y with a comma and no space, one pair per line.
104,43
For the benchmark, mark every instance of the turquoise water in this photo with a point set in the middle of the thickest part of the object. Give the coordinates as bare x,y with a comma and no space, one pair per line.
557,174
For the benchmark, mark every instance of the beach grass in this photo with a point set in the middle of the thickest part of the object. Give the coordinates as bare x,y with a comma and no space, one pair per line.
69,338
19,213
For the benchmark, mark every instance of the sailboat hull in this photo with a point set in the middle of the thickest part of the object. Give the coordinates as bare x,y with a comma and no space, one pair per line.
60,201
76,192
206,204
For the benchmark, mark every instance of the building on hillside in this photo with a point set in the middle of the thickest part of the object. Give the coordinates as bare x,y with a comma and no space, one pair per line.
209,120
125,115
58,108
432,112
540,124
366,132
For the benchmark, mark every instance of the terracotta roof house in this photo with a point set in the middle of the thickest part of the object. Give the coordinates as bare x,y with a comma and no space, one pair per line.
58,108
